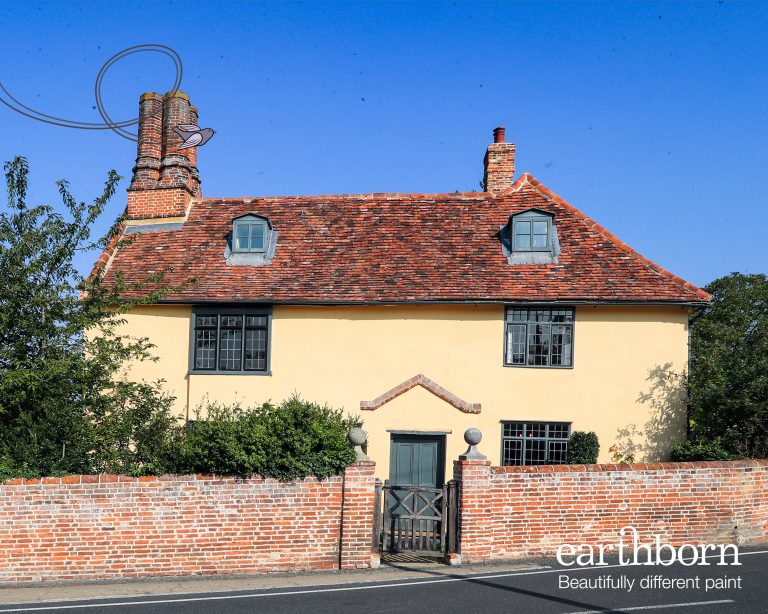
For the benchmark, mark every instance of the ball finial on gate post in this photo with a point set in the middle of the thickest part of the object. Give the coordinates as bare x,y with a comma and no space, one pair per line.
473,437
357,437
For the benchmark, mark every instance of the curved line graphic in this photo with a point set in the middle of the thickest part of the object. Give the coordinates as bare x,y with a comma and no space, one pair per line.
109,123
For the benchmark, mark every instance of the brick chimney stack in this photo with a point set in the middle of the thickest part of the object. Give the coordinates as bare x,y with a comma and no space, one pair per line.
499,163
164,179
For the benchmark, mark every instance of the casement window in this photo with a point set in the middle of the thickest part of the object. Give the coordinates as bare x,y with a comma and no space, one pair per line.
530,232
539,337
230,340
252,241
534,443
250,234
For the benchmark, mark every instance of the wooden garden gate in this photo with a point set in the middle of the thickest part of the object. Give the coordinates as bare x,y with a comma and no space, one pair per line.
415,519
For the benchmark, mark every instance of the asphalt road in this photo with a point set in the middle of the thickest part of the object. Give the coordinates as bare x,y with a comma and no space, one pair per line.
555,590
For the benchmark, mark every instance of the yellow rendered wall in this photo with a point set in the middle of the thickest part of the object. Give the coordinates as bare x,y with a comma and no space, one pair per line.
345,355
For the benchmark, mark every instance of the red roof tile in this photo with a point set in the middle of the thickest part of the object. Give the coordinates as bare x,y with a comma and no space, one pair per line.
381,248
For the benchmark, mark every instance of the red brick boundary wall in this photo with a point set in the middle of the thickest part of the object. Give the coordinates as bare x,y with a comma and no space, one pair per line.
90,527
508,512
107,526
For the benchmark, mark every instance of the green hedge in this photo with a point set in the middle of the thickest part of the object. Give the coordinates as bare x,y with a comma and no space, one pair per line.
288,441
583,448
701,451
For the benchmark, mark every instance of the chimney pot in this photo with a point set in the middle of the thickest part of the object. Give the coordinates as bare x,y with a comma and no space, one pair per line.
177,94
498,134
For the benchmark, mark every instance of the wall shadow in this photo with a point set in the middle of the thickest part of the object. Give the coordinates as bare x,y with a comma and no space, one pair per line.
666,399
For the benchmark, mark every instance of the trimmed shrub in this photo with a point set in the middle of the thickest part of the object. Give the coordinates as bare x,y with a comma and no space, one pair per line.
701,451
288,441
583,448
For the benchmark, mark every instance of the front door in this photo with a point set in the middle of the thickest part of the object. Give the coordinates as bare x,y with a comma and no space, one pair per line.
417,460
414,495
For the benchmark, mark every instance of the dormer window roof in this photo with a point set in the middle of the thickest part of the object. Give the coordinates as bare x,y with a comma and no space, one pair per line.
530,237
250,234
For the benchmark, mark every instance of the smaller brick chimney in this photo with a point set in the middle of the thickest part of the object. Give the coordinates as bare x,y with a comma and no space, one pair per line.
165,179
499,163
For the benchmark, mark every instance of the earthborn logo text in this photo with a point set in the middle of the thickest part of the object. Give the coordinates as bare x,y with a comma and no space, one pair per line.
632,552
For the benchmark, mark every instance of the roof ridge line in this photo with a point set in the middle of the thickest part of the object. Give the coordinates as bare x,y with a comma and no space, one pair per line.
529,179
362,195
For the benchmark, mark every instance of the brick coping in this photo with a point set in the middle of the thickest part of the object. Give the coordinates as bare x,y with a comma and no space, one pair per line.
632,466
109,478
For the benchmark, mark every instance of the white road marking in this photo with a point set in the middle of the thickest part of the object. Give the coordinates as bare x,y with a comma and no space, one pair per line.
654,607
139,599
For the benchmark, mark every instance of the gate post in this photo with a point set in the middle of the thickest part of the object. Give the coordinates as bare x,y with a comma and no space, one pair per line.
472,473
377,518
358,505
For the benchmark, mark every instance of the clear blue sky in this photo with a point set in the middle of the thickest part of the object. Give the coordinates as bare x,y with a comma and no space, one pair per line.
651,118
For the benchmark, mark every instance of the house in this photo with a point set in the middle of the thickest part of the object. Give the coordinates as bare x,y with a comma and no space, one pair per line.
426,314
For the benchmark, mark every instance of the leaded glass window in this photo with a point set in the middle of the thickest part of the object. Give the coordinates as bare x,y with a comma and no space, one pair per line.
539,337
255,343
230,341
206,333
534,443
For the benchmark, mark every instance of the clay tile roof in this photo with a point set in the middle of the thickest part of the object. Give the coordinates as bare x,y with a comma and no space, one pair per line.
390,248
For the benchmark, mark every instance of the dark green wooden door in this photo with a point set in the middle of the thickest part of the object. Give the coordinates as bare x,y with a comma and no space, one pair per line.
417,460
414,495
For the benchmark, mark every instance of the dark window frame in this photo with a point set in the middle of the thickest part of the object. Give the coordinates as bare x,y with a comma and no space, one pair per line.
531,216
528,428
218,311
513,326
250,220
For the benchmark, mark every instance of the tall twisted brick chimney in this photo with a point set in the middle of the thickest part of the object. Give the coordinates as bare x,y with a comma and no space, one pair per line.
164,179
499,163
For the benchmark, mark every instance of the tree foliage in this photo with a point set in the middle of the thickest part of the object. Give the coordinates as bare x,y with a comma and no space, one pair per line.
701,451
291,440
67,402
728,386
64,407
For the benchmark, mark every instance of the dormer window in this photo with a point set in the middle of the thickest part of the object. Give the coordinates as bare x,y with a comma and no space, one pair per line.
530,233
250,234
252,241
530,237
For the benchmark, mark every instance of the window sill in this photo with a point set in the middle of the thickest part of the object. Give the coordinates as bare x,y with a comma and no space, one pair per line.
245,373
